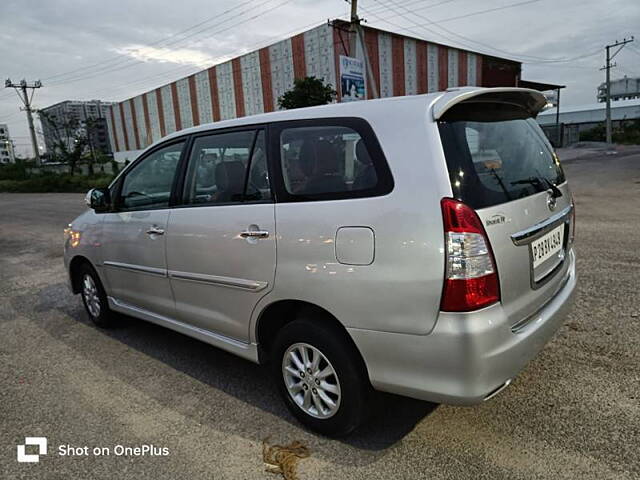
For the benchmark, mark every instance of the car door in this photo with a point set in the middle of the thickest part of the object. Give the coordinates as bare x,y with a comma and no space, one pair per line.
134,234
221,242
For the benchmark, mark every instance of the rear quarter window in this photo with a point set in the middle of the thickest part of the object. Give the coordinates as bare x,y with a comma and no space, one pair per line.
329,159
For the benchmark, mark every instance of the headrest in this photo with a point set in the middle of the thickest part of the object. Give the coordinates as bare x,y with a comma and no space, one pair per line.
362,154
307,158
327,159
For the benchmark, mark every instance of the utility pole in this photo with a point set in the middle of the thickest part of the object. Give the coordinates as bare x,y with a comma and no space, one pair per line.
355,23
608,66
21,89
355,33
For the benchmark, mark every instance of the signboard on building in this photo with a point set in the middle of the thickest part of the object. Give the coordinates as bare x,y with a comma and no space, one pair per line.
352,81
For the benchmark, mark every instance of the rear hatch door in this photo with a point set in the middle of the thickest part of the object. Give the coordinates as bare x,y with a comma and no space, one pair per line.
501,164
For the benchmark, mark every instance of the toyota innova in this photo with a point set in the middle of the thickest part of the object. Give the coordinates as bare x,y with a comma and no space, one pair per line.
417,245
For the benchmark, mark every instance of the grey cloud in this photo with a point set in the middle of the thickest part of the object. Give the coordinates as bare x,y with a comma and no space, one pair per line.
40,39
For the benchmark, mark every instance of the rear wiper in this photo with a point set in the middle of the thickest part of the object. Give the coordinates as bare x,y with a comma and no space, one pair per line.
555,191
542,183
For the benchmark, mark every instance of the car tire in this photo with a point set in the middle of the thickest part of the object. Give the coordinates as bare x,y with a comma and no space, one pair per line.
94,297
334,373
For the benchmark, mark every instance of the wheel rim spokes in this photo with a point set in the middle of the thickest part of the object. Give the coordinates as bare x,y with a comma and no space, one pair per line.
90,295
311,380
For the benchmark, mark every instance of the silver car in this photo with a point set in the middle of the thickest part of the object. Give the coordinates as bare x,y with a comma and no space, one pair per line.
416,245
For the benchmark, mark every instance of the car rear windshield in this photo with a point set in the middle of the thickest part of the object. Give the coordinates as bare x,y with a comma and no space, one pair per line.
494,158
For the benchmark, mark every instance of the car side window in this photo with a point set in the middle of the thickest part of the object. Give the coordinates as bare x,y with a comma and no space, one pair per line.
319,160
148,184
218,166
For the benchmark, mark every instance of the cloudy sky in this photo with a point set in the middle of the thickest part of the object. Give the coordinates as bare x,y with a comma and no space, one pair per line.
83,49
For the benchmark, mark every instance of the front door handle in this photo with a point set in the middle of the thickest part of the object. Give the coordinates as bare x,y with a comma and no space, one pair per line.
254,234
155,231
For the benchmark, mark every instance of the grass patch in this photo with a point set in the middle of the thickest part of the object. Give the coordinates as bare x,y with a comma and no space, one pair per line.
55,183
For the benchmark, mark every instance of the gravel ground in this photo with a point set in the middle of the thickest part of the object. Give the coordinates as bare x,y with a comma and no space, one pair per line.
574,412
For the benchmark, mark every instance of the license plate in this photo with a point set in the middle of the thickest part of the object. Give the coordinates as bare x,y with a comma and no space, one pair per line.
547,246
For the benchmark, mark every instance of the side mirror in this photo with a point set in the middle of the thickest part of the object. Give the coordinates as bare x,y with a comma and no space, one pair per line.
99,199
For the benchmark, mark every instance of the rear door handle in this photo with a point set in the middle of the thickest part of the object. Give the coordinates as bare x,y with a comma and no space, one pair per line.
155,231
254,234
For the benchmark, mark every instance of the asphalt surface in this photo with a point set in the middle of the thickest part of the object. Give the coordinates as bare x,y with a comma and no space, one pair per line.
574,412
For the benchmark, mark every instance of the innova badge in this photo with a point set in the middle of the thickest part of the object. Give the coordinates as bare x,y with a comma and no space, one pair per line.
497,219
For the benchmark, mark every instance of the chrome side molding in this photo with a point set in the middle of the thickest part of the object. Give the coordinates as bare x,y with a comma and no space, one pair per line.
253,285
136,268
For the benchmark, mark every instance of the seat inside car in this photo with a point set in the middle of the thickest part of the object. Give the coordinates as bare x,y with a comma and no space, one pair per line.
325,173
366,177
230,181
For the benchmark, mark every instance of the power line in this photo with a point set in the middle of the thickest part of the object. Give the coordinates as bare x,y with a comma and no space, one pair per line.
156,42
472,41
169,74
465,41
126,62
410,4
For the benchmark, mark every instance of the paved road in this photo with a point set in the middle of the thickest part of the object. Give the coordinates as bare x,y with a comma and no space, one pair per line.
573,413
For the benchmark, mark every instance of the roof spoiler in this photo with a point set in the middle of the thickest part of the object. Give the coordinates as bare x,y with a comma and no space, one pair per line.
530,100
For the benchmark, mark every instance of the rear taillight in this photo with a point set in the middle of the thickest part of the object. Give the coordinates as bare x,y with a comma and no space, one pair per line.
471,279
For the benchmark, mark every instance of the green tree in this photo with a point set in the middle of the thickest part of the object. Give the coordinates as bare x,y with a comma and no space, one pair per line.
69,139
307,92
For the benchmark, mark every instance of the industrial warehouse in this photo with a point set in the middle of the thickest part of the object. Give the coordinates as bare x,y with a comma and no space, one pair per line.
252,83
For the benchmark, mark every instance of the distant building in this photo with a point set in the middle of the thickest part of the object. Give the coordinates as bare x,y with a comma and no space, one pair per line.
622,89
61,122
252,83
6,145
574,120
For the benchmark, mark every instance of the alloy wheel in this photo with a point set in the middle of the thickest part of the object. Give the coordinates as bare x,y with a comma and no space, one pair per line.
311,380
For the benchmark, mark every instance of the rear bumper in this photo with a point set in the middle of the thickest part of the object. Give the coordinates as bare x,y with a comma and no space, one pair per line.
467,358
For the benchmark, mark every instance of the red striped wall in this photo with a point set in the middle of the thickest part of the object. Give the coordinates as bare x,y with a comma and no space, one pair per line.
237,86
176,106
113,122
371,39
340,45
148,137
213,90
139,134
136,133
163,128
397,56
193,95
443,68
462,68
124,127
297,48
265,77
421,66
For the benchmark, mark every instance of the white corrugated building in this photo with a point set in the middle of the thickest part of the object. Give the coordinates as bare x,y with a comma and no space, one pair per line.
251,84
574,120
